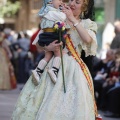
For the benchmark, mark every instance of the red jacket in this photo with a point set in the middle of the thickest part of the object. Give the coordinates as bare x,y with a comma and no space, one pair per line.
33,47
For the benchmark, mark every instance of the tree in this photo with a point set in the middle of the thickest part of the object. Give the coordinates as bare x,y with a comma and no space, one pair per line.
10,9
99,15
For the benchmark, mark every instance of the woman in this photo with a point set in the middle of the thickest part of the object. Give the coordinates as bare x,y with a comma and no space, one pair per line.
47,101
7,77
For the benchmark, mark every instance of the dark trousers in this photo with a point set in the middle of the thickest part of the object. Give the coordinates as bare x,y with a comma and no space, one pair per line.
104,99
114,101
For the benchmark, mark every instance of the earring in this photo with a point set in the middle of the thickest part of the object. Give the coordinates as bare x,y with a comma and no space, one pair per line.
82,15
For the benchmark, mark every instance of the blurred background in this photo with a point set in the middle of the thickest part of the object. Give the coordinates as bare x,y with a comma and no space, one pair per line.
19,25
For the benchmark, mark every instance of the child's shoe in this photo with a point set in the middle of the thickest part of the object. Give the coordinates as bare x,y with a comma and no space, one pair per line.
53,74
36,77
38,71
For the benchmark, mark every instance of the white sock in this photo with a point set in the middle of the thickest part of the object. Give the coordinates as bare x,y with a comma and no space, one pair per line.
56,62
42,64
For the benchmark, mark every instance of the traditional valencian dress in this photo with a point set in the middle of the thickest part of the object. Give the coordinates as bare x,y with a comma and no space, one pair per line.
47,101
7,76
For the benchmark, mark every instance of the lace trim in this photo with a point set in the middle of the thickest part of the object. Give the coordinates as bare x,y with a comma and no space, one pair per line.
90,49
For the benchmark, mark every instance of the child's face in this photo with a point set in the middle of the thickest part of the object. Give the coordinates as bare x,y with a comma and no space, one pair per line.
57,3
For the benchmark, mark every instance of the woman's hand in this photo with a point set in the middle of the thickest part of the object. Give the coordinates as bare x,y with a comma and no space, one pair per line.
69,14
54,46
39,48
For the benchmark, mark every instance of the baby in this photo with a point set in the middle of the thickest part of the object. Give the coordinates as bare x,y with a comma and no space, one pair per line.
49,14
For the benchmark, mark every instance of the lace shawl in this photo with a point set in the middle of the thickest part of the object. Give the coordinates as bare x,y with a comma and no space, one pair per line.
90,49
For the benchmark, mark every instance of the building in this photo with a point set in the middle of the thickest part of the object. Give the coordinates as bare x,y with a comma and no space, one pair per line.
29,9
27,16
112,10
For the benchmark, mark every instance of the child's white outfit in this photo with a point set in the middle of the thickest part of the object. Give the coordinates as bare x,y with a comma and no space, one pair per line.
50,15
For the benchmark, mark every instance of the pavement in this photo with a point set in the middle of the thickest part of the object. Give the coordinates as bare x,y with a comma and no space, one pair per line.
8,100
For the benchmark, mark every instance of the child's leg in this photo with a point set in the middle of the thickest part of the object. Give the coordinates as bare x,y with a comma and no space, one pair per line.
44,61
40,68
53,72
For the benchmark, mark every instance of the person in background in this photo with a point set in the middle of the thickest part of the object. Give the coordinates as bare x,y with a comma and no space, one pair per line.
33,48
102,69
113,94
111,82
113,103
23,43
116,41
7,76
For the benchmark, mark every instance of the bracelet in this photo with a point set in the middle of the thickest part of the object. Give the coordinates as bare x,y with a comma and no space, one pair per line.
75,24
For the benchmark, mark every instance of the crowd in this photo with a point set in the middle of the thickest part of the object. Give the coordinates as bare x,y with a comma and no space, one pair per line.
18,50
106,78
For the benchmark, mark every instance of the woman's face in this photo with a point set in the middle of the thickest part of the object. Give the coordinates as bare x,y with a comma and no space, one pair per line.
76,6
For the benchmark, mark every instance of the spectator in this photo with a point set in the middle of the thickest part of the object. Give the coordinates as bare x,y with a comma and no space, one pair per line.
116,41
112,82
33,48
113,104
7,77
102,69
24,44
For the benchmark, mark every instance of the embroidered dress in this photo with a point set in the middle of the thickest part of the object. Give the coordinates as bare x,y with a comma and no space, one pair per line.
47,101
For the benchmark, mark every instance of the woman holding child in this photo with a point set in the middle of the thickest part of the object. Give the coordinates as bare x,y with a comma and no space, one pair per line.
47,100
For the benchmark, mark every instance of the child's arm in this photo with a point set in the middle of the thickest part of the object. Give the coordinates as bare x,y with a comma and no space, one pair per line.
55,16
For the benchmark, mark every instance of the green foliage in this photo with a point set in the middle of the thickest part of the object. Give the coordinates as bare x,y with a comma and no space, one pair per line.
10,9
99,15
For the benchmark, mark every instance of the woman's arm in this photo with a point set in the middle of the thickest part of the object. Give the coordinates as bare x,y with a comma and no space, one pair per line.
82,32
76,23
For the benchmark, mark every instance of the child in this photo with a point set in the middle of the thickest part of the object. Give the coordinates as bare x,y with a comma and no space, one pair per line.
49,14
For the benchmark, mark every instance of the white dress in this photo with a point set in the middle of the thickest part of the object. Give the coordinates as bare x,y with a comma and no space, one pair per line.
47,101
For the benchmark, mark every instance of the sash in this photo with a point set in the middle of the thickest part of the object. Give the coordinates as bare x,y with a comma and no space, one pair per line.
74,53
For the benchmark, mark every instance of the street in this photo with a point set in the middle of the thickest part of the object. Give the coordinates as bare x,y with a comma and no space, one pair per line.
8,100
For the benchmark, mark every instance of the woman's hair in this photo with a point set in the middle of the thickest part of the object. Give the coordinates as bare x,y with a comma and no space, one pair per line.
88,10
